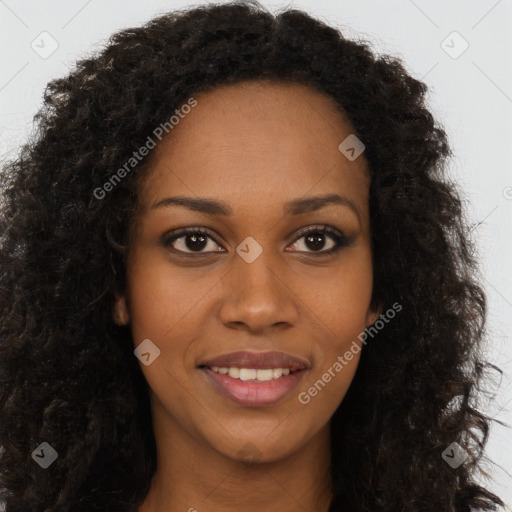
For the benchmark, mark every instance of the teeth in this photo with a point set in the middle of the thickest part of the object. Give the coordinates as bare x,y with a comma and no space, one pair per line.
234,372
247,374
267,374
252,373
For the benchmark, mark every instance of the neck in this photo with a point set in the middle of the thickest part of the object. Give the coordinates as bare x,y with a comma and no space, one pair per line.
193,476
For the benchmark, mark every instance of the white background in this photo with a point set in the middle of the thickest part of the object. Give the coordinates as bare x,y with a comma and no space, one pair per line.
471,95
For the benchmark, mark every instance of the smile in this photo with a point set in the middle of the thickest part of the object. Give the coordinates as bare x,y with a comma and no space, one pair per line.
252,374
251,387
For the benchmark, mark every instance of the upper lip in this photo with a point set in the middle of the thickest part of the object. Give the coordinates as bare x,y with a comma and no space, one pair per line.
257,360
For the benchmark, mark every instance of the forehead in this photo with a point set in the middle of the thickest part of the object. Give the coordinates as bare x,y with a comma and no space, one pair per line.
257,141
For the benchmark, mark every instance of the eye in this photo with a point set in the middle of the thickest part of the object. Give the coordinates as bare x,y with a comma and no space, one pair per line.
315,239
195,240
200,241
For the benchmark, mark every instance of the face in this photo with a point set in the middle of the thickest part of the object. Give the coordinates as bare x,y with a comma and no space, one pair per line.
252,280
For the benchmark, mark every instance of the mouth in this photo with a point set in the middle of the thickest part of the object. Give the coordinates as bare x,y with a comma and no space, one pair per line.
254,379
253,387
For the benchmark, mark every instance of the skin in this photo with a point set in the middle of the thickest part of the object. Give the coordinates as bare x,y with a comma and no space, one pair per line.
255,146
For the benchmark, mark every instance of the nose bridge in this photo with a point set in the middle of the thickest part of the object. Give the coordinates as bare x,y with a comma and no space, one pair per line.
261,273
256,294
256,268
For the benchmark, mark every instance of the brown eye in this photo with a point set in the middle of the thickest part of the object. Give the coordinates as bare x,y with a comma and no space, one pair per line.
190,241
315,239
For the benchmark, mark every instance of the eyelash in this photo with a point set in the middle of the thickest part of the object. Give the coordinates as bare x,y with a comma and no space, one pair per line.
338,237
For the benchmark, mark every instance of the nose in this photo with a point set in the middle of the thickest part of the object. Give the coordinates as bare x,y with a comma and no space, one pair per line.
257,296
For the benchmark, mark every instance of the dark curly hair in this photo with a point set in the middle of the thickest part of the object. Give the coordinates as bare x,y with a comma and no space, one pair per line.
68,375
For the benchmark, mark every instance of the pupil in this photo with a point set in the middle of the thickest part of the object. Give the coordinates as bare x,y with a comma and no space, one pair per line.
194,245
317,240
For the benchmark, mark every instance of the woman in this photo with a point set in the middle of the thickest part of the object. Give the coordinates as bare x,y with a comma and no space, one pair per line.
234,278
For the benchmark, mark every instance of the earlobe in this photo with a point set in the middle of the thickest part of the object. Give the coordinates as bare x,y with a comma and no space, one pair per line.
120,315
373,316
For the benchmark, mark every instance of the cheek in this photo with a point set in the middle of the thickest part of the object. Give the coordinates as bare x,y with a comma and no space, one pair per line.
164,308
339,307
169,306
341,301
163,298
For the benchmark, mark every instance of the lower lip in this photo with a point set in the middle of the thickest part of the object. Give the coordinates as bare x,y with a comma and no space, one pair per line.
254,394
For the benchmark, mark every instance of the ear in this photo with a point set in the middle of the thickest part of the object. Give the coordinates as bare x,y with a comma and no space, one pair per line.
373,315
120,315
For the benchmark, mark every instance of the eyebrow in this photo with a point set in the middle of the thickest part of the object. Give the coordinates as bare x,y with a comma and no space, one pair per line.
294,207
